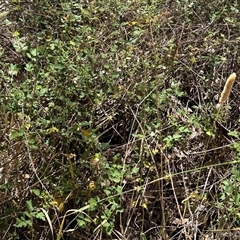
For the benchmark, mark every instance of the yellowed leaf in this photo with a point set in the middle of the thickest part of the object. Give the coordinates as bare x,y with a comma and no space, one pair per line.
4,14
86,133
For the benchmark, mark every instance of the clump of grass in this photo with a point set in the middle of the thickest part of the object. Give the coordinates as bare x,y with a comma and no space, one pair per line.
109,144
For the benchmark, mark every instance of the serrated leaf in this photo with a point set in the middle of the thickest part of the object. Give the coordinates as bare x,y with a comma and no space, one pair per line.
20,223
41,216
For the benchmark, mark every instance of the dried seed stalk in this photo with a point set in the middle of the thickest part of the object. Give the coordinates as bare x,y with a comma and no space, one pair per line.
227,88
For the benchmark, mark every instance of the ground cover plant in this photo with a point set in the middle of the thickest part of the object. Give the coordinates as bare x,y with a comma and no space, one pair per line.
109,126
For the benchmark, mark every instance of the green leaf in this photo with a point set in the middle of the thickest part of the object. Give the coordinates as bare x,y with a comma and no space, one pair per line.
104,145
93,202
108,227
135,170
81,223
20,223
108,192
33,52
17,134
43,91
36,192
29,205
40,215
177,136
234,134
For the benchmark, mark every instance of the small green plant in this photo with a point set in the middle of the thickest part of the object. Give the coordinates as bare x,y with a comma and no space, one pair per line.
100,98
27,218
176,137
110,183
103,201
229,199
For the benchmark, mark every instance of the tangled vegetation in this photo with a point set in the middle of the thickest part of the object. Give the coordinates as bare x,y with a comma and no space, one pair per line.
109,127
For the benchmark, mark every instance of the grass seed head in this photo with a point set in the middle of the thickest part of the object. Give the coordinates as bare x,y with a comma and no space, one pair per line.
227,88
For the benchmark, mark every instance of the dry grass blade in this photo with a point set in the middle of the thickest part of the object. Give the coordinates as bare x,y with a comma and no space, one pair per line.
49,221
